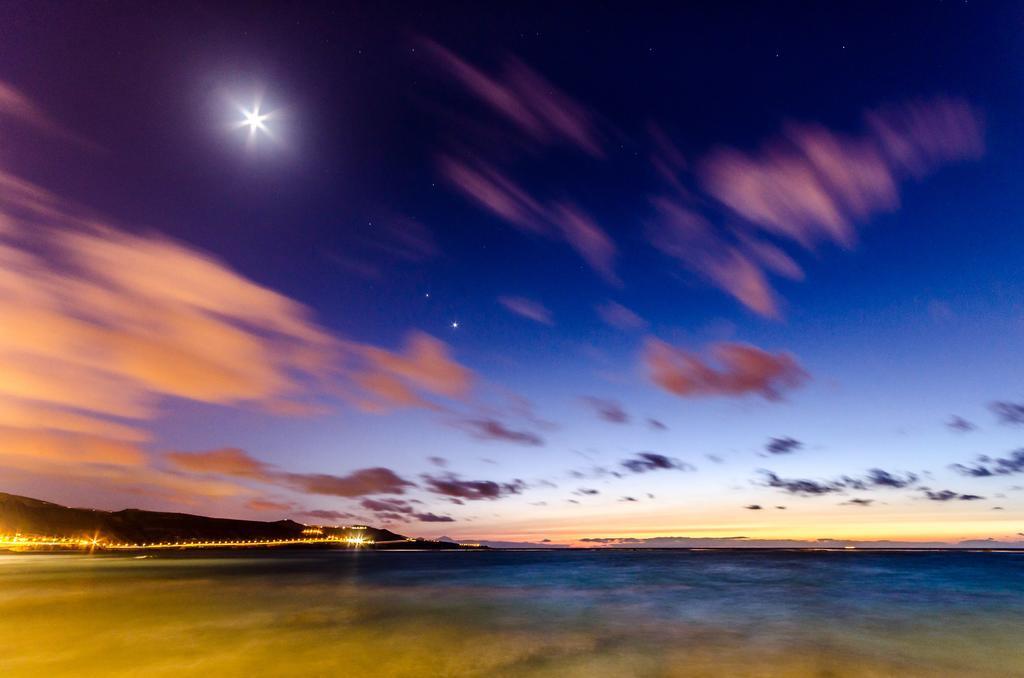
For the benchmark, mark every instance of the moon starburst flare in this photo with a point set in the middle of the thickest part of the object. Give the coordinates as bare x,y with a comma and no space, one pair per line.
255,121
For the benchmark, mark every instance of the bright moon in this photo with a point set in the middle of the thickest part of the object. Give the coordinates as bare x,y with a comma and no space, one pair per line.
255,120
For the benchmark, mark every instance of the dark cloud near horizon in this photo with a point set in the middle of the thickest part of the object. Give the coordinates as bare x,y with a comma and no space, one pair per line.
237,463
986,466
656,424
875,478
594,472
800,486
947,495
784,445
433,518
858,502
453,486
386,505
880,478
643,462
753,507
401,510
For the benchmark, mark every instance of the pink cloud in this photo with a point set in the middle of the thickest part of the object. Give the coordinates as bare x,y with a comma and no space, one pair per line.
688,237
806,187
810,186
742,370
618,316
524,98
546,116
533,310
18,106
587,238
495,192
919,136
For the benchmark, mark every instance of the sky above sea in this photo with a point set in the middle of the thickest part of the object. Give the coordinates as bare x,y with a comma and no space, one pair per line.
537,274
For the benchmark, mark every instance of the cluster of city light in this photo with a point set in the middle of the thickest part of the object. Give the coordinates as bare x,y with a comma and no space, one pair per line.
33,541
19,541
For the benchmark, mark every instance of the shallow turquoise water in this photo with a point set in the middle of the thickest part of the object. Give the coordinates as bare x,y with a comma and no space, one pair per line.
536,613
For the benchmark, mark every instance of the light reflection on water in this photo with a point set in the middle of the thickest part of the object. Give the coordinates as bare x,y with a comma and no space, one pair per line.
651,613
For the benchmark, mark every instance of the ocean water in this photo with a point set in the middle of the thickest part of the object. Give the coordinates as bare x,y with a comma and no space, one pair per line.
532,613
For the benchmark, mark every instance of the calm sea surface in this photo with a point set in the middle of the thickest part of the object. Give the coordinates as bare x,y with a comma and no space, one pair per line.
580,613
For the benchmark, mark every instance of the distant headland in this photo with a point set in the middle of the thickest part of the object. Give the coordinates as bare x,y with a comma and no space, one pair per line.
28,524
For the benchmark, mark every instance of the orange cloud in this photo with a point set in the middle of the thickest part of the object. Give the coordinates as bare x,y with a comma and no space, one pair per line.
268,505
744,370
392,379
27,449
100,326
106,323
229,461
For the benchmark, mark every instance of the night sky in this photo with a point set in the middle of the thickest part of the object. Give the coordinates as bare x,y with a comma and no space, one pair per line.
521,273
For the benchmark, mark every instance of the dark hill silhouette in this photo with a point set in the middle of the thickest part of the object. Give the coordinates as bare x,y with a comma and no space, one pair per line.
42,518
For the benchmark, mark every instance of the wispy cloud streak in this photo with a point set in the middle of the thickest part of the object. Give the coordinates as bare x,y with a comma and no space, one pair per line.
808,186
